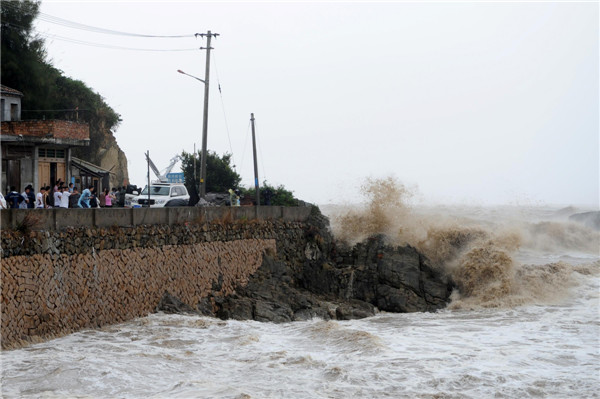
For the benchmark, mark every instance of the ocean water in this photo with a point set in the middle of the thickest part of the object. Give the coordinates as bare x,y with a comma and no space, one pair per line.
538,338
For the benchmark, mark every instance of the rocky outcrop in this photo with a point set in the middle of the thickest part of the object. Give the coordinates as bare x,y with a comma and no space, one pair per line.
328,281
106,153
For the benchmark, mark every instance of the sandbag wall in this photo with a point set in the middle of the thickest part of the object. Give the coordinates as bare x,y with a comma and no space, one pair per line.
54,283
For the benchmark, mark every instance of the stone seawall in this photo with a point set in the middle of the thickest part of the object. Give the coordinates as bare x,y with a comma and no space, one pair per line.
56,282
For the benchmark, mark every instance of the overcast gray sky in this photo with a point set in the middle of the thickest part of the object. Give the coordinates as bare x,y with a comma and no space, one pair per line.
470,102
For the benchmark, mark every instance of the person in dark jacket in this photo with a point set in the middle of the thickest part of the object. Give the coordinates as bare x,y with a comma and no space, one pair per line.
121,197
13,199
31,196
74,198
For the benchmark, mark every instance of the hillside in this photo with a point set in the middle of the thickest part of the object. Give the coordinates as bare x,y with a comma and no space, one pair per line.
49,94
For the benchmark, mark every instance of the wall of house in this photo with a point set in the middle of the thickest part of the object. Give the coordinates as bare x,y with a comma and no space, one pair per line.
54,282
8,102
57,129
18,165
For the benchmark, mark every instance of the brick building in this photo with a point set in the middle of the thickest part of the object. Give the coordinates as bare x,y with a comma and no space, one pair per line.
36,152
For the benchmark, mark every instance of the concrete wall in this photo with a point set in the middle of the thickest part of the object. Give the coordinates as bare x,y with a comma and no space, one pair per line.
57,281
59,218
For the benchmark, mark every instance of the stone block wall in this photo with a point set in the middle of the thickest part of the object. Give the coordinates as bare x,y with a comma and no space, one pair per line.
56,282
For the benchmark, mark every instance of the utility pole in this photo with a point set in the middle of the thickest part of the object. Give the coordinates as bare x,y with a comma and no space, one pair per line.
255,162
208,36
148,159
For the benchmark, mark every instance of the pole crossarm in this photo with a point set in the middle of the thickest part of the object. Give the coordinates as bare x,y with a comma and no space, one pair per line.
207,34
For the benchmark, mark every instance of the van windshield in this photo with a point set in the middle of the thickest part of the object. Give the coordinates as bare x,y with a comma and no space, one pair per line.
156,190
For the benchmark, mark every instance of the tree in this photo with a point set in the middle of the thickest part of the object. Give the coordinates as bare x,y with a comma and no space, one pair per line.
220,176
25,68
271,195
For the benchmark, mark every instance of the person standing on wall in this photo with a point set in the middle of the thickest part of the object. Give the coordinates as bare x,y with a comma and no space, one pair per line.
14,199
48,197
31,196
57,197
25,202
74,198
108,198
86,195
39,198
64,199
122,194
93,198
102,198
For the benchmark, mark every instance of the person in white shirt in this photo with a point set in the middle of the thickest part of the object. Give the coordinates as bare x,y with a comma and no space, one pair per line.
64,199
39,198
57,195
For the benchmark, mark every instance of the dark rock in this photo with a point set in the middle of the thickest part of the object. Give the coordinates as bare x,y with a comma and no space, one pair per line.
354,310
236,308
205,307
172,304
272,311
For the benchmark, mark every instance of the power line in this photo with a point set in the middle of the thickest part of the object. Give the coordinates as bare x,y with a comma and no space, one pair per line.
76,25
92,44
108,46
49,110
223,107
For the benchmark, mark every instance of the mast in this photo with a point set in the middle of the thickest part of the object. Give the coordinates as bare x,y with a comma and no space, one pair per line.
257,199
208,36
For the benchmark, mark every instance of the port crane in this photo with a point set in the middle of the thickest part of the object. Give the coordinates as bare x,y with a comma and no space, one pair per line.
162,175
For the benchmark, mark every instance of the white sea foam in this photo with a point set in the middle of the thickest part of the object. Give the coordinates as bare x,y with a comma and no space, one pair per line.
545,347
528,351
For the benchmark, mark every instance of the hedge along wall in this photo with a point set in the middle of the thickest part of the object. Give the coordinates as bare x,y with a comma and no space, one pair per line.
54,283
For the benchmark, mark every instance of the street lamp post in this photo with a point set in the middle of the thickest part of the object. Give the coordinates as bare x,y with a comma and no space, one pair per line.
208,36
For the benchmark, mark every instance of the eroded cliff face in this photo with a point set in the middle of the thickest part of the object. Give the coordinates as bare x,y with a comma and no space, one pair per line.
106,153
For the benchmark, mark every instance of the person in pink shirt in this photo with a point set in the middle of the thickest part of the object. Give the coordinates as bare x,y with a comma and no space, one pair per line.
108,198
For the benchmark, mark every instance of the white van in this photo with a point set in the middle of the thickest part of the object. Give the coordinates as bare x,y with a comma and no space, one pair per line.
161,195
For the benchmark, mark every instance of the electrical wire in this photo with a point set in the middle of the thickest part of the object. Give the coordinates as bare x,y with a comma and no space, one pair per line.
48,110
224,114
109,46
76,25
100,45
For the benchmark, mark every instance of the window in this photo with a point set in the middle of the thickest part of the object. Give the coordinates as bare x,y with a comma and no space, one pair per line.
51,153
156,190
14,112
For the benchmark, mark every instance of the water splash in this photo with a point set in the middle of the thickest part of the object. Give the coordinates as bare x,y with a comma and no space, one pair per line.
476,250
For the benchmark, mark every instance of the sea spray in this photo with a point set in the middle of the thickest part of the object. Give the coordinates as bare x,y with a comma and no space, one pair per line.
477,254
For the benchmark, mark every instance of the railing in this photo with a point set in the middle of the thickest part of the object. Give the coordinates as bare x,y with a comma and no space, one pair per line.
60,218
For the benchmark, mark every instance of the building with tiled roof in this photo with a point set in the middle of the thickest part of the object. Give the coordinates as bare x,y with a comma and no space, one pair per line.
7,91
36,152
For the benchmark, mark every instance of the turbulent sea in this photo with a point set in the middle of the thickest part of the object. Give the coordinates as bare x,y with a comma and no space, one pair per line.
539,338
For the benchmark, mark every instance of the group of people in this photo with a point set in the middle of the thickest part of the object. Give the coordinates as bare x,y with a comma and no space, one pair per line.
64,196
